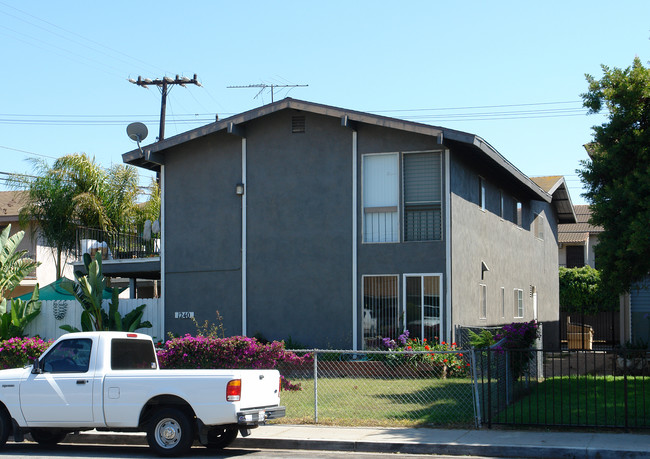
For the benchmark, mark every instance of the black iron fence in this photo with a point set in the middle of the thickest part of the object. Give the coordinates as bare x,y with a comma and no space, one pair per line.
601,330
564,388
119,244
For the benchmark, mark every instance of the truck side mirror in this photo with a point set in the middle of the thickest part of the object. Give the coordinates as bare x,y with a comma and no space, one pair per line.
36,367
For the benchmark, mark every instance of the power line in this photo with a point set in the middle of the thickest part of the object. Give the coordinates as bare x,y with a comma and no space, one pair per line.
163,84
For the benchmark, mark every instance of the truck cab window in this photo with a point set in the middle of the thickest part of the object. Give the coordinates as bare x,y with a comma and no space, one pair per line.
69,356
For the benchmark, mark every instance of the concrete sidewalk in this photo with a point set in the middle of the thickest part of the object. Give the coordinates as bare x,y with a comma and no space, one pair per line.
453,442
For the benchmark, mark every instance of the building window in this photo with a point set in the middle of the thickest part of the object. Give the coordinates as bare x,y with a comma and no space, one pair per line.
422,300
501,204
380,198
539,226
483,301
519,303
422,197
575,256
481,192
503,302
381,313
519,213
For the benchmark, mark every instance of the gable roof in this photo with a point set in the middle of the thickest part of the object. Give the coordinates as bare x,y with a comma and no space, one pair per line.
556,186
152,156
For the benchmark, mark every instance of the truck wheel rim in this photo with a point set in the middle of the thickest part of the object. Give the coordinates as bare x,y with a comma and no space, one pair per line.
168,433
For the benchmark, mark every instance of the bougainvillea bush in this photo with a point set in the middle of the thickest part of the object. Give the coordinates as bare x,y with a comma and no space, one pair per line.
409,350
205,352
18,352
518,337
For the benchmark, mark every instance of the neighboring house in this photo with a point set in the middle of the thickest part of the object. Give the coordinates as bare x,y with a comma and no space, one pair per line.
577,240
337,228
10,204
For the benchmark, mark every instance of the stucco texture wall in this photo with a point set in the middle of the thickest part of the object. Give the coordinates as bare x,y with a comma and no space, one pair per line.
516,258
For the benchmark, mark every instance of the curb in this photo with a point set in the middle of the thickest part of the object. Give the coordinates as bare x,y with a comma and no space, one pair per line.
449,449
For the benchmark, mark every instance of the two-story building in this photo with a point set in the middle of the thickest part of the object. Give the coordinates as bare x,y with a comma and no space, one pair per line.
337,228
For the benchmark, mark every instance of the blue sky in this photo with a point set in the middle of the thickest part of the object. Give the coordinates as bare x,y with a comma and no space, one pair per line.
509,71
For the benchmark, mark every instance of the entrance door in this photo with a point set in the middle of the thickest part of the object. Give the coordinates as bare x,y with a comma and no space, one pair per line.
63,392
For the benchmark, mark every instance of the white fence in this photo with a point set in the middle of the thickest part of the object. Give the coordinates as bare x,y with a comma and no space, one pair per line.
56,313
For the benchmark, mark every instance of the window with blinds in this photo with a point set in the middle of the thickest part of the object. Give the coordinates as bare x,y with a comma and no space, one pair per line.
380,198
422,196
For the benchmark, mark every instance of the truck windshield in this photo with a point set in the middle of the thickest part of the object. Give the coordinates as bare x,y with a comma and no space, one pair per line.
132,354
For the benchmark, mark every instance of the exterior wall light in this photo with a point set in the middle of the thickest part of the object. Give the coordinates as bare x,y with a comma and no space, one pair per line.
239,189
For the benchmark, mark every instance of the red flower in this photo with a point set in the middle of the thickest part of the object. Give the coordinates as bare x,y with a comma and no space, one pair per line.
408,347
427,347
445,360
461,354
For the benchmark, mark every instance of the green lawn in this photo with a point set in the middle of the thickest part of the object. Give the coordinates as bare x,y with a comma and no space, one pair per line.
583,400
376,402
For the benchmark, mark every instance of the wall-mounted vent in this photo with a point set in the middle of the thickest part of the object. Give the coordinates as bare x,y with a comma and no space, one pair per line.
297,124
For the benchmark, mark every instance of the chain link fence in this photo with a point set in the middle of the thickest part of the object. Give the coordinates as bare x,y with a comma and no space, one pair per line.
382,388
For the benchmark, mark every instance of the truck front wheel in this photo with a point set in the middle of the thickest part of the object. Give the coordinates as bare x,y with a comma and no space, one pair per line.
170,432
5,426
221,437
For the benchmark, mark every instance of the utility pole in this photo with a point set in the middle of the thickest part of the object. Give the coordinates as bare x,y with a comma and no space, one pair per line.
163,84
264,86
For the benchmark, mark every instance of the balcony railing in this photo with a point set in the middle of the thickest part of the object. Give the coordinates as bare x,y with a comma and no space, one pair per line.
116,245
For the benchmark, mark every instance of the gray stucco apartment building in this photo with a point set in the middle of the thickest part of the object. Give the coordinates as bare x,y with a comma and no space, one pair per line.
337,228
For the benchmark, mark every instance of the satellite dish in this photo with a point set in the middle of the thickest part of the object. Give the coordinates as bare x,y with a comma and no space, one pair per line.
137,132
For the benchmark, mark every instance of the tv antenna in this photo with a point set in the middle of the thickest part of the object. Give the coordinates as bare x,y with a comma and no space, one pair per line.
163,84
263,86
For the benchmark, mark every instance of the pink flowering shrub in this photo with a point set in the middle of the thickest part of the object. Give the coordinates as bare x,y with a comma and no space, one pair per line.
18,352
189,352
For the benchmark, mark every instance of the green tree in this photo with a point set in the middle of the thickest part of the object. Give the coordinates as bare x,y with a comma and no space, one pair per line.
582,291
617,175
76,191
51,204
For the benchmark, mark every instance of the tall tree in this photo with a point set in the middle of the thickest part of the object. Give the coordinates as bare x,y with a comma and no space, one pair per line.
617,175
76,191
51,203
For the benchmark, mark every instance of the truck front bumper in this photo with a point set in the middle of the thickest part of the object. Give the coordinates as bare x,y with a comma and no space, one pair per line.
257,416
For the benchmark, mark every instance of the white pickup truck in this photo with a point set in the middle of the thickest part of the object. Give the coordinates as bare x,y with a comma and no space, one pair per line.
111,381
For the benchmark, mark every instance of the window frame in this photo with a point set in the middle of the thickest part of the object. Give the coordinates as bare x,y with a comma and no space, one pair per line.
519,303
482,301
402,207
482,193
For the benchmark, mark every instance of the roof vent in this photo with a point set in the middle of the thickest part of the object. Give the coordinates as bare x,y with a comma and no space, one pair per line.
297,124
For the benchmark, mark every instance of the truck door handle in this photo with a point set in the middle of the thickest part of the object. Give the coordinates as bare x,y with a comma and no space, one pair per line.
81,381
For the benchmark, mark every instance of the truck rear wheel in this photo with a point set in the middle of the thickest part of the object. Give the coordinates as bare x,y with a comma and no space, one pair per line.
221,437
48,437
170,432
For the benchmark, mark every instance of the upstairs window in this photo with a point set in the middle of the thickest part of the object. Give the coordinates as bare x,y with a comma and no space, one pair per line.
380,198
422,197
481,192
539,226
420,205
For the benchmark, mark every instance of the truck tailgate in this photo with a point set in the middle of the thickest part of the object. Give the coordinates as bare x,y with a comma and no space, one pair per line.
260,388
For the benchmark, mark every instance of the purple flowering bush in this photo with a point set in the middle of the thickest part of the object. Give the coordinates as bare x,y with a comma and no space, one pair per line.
18,352
205,352
518,337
